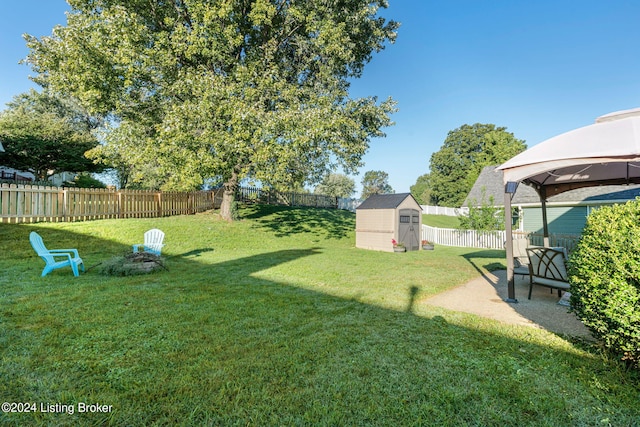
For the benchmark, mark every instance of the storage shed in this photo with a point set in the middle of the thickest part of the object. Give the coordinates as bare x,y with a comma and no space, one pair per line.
383,217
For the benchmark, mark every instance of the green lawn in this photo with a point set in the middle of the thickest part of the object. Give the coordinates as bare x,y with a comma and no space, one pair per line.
278,319
440,221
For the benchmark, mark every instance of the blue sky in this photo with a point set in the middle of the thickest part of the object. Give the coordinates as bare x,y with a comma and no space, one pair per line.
538,68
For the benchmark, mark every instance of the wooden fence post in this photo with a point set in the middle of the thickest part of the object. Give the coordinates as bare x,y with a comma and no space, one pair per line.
159,194
65,200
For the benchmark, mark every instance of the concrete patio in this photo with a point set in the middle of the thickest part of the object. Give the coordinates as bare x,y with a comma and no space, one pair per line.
485,297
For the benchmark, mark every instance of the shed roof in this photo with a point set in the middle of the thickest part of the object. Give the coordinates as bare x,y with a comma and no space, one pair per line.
385,201
492,181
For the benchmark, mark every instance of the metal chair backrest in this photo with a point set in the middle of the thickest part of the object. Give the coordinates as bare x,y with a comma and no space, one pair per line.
548,263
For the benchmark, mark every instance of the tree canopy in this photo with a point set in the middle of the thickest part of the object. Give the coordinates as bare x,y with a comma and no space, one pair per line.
466,150
421,190
336,185
375,182
229,89
45,135
132,164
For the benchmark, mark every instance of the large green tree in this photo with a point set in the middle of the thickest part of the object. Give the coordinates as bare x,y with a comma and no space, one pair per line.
375,182
133,164
45,135
421,190
229,88
336,185
466,150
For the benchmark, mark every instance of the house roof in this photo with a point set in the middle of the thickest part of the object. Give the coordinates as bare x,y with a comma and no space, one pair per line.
385,201
489,185
492,181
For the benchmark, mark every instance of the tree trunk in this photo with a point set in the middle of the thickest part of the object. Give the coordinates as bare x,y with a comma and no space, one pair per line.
228,197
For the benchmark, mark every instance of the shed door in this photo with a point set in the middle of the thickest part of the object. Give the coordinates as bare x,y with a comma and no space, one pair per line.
409,228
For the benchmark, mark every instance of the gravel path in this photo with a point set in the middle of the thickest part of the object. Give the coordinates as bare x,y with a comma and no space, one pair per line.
485,297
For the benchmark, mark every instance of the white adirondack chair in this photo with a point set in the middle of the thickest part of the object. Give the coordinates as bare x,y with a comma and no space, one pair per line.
71,257
152,242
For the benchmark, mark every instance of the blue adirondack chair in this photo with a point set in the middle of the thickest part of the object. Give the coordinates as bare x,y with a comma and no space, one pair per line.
71,257
152,242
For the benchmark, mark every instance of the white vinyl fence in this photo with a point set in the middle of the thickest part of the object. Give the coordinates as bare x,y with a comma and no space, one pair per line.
464,238
493,239
441,210
348,204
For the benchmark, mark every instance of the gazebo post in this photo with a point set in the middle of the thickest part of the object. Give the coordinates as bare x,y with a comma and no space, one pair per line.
542,192
509,189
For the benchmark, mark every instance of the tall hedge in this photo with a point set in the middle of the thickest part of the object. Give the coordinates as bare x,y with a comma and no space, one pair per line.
604,271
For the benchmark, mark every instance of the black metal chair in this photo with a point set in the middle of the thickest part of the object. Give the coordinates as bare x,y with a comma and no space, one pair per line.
547,268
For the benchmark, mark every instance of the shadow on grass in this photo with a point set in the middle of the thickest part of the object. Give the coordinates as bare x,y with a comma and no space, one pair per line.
229,347
53,238
284,221
95,251
475,259
195,252
413,296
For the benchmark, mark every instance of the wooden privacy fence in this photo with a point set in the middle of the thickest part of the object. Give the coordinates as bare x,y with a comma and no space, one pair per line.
31,203
34,203
272,197
568,241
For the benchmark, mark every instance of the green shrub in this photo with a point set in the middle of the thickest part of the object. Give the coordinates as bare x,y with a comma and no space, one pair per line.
604,272
86,181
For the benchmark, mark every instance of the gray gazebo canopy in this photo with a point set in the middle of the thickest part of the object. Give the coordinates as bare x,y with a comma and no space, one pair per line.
604,153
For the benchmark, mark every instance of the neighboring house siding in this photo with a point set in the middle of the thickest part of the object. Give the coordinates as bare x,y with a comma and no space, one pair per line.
59,178
56,179
566,212
11,173
561,219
